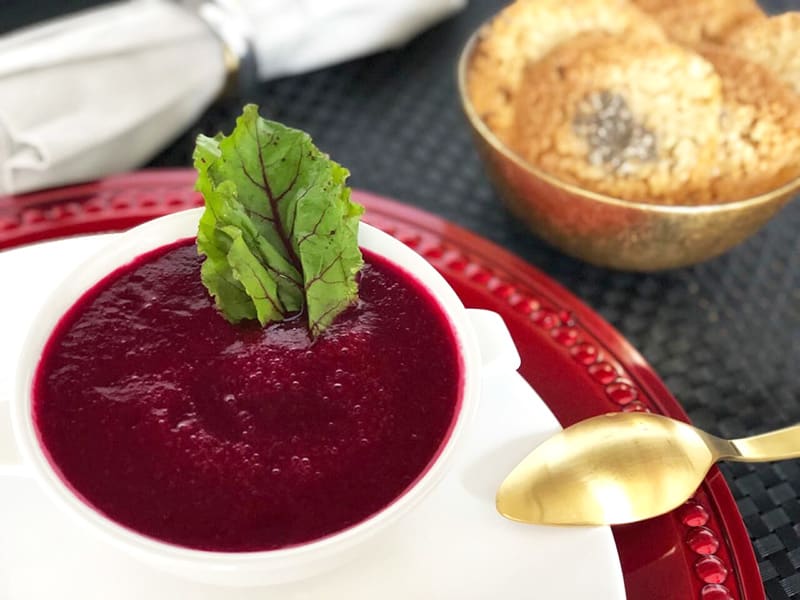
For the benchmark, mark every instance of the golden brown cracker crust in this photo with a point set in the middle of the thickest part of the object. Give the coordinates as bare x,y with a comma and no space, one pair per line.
760,144
772,42
694,22
670,93
526,30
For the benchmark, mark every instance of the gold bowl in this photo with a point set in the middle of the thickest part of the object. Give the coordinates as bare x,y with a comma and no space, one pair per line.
608,231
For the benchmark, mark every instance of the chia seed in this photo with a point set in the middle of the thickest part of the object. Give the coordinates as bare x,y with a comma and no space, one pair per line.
615,139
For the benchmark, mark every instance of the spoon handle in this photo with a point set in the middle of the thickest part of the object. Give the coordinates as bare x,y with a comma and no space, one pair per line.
775,445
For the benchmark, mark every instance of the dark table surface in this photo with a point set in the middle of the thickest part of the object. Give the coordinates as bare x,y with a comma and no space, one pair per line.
724,335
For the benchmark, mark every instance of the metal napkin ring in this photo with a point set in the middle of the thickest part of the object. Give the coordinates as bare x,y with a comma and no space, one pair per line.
229,25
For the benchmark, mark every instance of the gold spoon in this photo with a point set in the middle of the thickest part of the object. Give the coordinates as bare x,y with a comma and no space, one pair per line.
625,467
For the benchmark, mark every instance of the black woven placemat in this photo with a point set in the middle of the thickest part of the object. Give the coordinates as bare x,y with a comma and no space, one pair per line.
724,335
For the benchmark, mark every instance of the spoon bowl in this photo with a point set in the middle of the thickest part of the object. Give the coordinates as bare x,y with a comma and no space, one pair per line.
624,467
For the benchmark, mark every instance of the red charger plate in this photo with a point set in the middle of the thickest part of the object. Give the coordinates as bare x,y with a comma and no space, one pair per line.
576,361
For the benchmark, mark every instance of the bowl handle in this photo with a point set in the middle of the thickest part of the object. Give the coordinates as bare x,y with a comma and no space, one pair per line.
498,351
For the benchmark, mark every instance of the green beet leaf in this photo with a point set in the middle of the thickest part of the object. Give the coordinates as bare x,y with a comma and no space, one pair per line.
279,232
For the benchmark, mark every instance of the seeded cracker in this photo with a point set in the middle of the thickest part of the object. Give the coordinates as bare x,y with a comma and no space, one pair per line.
760,146
774,43
526,31
633,118
692,22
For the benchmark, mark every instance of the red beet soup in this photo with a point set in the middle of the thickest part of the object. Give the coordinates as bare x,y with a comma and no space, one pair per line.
180,426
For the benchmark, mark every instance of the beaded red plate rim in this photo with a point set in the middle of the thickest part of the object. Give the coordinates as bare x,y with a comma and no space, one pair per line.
577,362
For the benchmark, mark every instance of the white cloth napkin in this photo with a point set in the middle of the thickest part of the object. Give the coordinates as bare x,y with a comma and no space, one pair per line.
103,91
309,34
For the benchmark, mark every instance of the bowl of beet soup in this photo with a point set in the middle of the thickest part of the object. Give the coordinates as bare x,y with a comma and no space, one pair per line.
235,454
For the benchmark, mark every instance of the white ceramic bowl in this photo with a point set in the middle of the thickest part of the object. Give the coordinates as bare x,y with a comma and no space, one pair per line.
267,567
